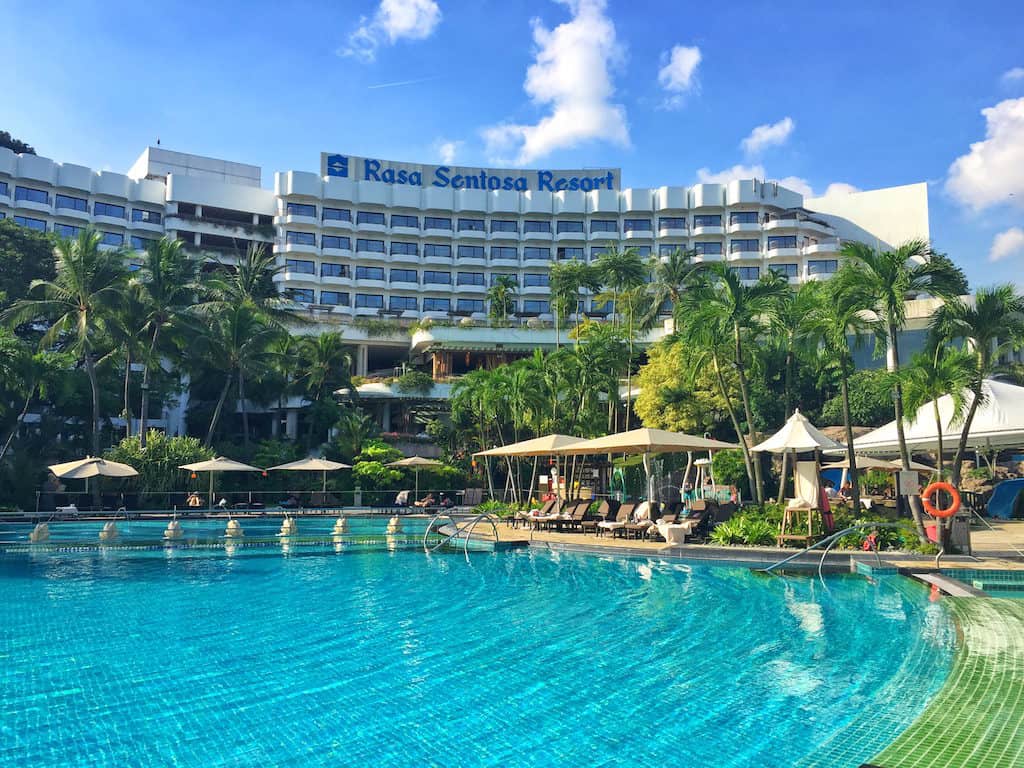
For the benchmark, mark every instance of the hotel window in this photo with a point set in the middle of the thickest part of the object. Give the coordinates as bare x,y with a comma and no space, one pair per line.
436,222
602,307
301,209
333,241
570,253
746,273
32,195
402,303
72,203
405,249
822,267
781,241
471,252
496,275
532,279
469,305
441,251
636,225
471,225
534,307
4,188
643,251
569,226
369,217
146,217
372,246
106,209
402,220
437,305
334,298
301,295
27,221
2,215
707,221
300,238
469,278
115,239
743,217
369,273
508,253
598,250
604,225
536,226
708,249
369,301
441,278
536,254
404,276
668,250
337,214
66,230
744,246
786,270
141,243
671,222
501,225
333,270
300,266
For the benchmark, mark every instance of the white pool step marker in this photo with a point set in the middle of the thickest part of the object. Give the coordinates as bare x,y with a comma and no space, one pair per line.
40,533
394,525
340,527
234,530
109,532
288,527
173,530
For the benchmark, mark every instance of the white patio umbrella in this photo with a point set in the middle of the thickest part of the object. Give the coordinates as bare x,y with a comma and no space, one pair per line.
312,465
416,463
798,435
538,446
91,466
219,464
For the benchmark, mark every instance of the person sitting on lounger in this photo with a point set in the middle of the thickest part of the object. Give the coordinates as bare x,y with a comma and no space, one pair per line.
193,500
426,501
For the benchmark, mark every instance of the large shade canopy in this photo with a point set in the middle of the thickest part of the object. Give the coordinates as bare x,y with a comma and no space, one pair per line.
863,462
999,421
798,435
91,467
416,463
646,441
312,465
219,464
538,446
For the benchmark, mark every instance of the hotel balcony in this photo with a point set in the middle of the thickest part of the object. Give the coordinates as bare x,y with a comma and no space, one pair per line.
827,247
782,252
740,255
405,231
339,225
744,227
345,280
674,232
146,226
74,213
537,236
369,284
404,258
638,234
295,220
294,276
297,248
709,230
338,253
32,205
471,234
471,261
367,227
577,236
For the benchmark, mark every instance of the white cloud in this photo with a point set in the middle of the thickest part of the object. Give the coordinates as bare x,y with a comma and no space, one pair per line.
757,171
768,135
447,150
1006,244
678,74
1014,75
571,74
993,171
394,20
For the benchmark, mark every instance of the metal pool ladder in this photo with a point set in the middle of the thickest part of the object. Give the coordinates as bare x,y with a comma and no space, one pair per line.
461,528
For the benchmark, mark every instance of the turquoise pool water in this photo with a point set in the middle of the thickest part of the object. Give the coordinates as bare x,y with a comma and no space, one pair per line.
195,658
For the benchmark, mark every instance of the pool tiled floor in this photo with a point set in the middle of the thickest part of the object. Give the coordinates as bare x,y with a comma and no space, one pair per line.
977,719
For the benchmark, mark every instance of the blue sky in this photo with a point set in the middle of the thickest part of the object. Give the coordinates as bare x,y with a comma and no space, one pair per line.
869,94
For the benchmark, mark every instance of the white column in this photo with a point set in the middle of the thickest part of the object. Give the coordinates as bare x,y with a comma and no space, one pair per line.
362,360
385,417
291,424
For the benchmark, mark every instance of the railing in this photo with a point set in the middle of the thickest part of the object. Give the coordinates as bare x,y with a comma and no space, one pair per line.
464,531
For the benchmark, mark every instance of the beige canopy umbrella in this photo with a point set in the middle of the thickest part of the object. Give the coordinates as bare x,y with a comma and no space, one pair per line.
645,441
91,466
312,465
798,435
863,462
538,446
219,464
416,463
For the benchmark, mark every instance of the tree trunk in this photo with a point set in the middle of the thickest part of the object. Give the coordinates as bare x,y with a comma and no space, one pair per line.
782,477
965,431
758,489
245,412
629,366
19,422
851,456
90,369
735,421
127,394
217,410
144,408
916,510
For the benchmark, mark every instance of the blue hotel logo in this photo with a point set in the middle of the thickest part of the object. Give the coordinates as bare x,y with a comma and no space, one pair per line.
337,165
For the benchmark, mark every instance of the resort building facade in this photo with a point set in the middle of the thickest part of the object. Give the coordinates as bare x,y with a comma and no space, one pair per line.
365,238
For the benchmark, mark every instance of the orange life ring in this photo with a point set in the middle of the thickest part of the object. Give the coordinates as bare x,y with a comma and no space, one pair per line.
949,511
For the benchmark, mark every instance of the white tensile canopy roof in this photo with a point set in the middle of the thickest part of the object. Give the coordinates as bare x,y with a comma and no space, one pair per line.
998,422
798,435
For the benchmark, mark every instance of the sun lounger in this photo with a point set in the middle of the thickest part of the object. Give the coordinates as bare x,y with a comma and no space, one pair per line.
643,520
572,518
526,515
606,511
623,516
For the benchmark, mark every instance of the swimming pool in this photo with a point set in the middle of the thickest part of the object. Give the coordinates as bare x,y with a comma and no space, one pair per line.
523,658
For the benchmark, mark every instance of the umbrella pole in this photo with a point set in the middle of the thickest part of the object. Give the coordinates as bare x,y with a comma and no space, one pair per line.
211,490
324,489
647,470
416,492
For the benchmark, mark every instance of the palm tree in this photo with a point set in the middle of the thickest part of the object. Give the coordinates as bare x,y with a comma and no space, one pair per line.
501,297
991,325
881,282
824,318
623,272
78,302
930,375
125,327
670,276
326,365
568,278
723,304
167,286
249,281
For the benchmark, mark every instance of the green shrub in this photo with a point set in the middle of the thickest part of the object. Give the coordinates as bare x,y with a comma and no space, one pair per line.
757,532
158,464
494,507
415,382
728,533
